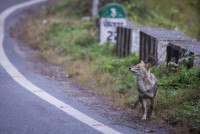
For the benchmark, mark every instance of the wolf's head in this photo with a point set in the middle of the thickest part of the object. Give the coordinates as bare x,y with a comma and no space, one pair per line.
141,69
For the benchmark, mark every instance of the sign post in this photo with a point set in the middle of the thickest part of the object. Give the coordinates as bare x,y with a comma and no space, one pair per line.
111,17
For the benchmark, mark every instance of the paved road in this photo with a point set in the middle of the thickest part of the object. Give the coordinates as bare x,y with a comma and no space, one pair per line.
22,111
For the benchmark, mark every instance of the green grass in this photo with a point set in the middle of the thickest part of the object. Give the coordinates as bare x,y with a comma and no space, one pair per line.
169,14
72,43
176,91
179,92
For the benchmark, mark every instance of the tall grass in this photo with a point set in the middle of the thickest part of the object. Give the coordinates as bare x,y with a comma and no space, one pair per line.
72,43
170,14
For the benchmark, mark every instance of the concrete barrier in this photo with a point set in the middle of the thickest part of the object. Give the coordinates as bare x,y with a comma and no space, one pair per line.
178,50
152,43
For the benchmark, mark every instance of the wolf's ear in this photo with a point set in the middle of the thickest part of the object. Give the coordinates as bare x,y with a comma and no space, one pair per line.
148,66
142,62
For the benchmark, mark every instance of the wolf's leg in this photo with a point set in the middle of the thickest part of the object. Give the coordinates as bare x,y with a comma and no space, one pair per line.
153,101
144,109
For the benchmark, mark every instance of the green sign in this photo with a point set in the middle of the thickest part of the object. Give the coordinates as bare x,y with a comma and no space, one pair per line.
113,11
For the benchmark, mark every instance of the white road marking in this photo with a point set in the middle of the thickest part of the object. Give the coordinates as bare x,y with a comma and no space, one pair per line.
19,78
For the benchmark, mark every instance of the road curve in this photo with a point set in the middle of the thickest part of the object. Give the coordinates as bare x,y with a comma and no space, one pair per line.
30,103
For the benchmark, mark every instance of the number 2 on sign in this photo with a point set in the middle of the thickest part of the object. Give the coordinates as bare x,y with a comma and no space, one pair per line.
111,35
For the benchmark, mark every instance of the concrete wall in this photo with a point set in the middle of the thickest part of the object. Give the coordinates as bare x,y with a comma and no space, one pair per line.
135,41
161,51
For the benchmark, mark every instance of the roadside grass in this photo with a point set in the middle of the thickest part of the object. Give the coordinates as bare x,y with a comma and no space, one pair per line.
72,43
181,15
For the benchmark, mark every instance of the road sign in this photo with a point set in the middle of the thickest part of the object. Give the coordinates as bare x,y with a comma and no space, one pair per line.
111,16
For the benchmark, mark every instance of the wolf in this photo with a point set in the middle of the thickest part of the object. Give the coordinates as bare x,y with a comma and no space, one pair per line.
147,86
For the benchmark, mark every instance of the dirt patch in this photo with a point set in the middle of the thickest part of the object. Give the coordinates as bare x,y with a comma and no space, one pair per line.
128,117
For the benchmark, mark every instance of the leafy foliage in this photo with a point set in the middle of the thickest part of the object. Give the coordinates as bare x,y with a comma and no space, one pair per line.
183,15
183,79
71,37
189,113
67,8
183,88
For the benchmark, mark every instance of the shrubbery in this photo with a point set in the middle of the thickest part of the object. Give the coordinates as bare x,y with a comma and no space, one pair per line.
69,37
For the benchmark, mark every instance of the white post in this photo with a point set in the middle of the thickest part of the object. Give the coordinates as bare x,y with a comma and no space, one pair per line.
95,4
111,16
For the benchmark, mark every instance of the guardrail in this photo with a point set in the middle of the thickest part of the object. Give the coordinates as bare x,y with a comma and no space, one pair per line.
152,43
123,47
178,51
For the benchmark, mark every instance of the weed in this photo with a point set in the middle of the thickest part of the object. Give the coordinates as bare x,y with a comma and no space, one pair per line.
72,75
189,113
72,43
177,14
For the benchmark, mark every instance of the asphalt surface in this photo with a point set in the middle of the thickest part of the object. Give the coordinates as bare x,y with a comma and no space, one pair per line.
22,112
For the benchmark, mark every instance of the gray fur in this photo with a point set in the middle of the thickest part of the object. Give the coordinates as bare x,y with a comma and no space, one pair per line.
147,85
146,90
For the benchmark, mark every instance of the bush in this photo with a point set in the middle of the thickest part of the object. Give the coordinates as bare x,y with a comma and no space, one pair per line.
183,88
182,79
178,92
189,113
85,40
